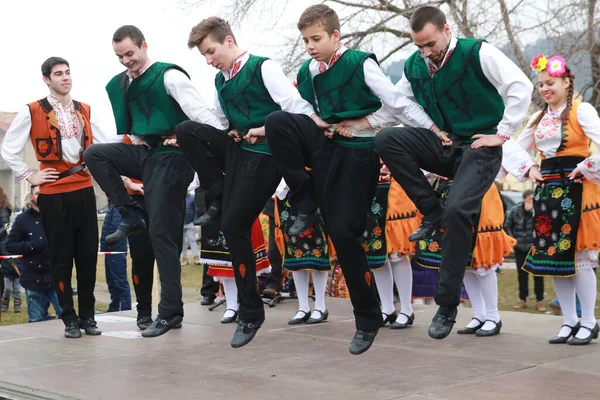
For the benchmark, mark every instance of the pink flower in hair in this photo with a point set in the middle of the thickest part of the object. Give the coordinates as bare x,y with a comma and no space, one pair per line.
556,66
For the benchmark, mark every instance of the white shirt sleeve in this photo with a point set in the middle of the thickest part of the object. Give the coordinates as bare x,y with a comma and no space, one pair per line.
101,135
401,105
590,123
14,143
283,91
219,112
180,87
525,138
515,161
511,83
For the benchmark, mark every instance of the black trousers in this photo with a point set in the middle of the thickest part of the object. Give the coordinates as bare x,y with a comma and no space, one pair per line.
166,177
244,181
405,151
142,264
275,257
538,281
210,287
343,184
71,226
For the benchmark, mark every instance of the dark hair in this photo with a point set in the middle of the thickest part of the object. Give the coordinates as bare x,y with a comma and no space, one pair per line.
320,13
31,188
427,14
4,202
51,63
527,193
570,92
216,27
129,31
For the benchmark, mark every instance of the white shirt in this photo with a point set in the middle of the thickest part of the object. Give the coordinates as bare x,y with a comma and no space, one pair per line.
281,90
510,82
17,136
547,138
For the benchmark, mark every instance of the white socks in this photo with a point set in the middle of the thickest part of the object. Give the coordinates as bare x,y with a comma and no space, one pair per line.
403,277
585,287
489,290
231,296
319,284
301,283
473,287
385,288
565,291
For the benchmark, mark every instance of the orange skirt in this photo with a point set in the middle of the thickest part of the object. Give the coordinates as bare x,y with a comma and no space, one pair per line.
403,218
588,234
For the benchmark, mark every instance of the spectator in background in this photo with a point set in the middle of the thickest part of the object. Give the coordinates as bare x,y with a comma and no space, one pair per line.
189,230
27,237
115,264
10,271
519,225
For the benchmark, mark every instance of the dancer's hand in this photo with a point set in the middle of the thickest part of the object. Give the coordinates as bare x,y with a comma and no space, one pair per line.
134,187
44,176
170,140
576,175
255,135
235,135
384,174
443,136
320,123
535,175
486,141
346,127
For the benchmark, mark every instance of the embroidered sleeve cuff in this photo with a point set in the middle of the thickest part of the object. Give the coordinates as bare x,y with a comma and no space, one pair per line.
503,136
368,122
24,175
431,127
590,168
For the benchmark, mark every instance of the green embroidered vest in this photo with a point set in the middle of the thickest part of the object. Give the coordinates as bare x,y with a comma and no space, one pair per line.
246,102
458,97
143,106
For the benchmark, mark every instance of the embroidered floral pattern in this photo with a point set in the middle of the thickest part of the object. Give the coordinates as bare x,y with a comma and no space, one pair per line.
550,125
67,118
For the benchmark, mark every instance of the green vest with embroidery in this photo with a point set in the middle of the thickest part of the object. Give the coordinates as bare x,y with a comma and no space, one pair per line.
246,102
143,107
458,97
341,93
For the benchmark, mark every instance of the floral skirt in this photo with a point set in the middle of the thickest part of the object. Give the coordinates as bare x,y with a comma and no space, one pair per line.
403,218
374,241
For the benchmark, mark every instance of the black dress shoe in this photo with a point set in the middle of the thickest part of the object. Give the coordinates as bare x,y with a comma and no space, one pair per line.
245,332
323,317
490,332
161,326
575,341
302,223
563,339
207,300
472,330
210,216
90,327
144,322
442,324
297,321
228,320
72,330
131,224
391,318
429,224
409,321
362,341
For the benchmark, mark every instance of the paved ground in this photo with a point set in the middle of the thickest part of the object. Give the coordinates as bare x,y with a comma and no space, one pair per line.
302,362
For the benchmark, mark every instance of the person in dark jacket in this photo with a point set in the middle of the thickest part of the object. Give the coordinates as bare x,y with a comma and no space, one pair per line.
10,269
27,238
115,264
189,230
519,225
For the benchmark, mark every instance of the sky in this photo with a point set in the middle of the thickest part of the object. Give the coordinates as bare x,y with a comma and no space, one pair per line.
81,32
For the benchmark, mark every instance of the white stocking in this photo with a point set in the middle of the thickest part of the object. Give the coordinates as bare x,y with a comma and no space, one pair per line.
403,278
385,288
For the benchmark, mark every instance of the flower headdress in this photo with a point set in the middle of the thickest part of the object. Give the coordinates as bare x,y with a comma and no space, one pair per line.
555,66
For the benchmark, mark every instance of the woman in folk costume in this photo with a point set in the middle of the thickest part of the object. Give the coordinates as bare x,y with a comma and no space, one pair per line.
567,213
305,254
215,253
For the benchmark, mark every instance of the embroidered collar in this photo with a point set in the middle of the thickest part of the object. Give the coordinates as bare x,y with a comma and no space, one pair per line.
238,63
556,113
68,122
431,65
337,53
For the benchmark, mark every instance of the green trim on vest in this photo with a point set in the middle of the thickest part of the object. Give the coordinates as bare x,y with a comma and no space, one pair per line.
458,98
143,107
246,102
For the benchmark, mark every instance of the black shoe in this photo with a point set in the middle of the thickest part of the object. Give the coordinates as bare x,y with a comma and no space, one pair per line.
207,300
323,317
72,330
228,320
362,341
161,326
302,223
563,339
593,335
144,322
297,321
90,327
50,317
470,331
429,224
210,216
490,332
399,325
441,325
131,224
245,332
391,318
